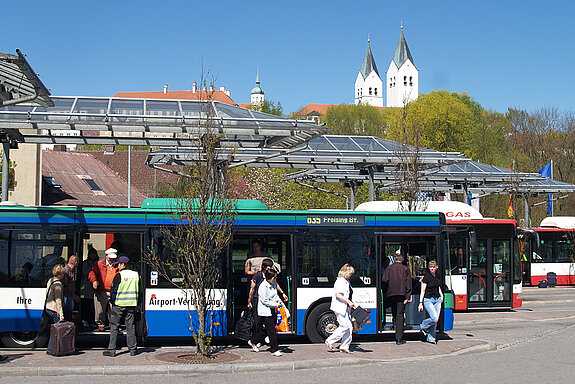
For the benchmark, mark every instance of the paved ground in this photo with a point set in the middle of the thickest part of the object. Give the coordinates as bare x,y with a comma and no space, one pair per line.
152,360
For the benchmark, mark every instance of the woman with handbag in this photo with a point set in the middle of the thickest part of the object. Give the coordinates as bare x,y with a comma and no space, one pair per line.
430,298
341,306
268,303
54,308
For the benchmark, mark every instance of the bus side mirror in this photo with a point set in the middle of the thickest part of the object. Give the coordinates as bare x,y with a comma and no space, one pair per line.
473,241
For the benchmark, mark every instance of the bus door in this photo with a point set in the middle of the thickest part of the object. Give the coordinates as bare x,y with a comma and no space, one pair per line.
489,278
90,249
417,252
245,247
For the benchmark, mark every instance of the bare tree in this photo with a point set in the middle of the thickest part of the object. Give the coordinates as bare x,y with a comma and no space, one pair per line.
407,188
188,252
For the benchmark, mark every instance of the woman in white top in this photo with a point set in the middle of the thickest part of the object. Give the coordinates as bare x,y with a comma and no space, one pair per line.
341,305
268,302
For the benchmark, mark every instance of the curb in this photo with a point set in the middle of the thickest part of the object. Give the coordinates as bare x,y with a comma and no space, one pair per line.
188,369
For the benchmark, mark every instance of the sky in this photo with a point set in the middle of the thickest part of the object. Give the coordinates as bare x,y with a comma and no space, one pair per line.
502,53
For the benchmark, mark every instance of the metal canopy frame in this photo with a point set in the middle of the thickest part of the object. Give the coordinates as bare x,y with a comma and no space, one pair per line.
19,83
326,152
151,122
471,176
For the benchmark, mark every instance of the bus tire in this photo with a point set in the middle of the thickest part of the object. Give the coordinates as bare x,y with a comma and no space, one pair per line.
23,339
320,323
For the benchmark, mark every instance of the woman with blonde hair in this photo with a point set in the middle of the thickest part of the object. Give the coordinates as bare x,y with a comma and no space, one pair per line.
430,298
341,305
55,297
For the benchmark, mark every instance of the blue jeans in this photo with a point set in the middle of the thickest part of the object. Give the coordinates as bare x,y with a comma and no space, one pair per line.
433,307
54,318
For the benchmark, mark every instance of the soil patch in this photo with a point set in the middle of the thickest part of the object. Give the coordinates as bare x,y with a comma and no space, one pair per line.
219,357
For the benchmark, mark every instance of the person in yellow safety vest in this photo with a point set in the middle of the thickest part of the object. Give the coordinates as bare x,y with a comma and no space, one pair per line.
124,298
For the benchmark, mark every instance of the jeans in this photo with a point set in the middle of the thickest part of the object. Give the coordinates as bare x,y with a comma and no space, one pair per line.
433,307
54,318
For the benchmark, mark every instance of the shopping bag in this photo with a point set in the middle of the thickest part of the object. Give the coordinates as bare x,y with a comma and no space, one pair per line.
245,326
282,324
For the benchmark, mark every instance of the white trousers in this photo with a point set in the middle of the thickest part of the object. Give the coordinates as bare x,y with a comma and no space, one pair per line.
343,332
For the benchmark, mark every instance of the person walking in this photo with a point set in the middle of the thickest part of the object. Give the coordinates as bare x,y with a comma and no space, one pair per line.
55,298
124,298
397,277
341,306
101,277
268,303
430,298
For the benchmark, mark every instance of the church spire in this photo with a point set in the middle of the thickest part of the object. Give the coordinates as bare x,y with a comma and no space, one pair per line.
368,64
402,54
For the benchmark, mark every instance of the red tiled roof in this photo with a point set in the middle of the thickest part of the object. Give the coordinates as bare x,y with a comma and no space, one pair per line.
244,105
190,95
65,167
146,179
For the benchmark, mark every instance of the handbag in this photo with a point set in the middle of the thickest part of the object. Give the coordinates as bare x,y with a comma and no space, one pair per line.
140,324
359,317
46,320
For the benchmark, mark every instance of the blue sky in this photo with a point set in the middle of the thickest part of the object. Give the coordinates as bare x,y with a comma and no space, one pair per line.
504,54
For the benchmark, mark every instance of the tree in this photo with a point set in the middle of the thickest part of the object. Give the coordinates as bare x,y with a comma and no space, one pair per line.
268,106
360,119
187,252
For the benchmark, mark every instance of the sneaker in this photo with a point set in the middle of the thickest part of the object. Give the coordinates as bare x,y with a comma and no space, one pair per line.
109,354
133,353
267,340
259,345
277,354
254,348
425,332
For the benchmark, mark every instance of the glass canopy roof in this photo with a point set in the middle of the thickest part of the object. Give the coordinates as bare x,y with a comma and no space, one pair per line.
324,152
127,121
19,83
472,176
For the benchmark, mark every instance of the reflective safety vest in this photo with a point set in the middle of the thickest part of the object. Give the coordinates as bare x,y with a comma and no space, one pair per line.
127,295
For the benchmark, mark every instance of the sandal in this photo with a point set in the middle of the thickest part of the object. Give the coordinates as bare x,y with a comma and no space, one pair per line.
345,351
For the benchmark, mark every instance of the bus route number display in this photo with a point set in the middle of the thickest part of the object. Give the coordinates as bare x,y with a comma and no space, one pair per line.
335,220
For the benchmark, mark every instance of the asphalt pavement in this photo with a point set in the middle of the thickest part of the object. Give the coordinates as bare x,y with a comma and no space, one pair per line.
168,360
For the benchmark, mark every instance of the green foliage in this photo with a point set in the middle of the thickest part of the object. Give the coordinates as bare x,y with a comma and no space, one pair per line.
361,119
268,106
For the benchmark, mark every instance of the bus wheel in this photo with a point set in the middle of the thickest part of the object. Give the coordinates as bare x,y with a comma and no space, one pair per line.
320,323
23,339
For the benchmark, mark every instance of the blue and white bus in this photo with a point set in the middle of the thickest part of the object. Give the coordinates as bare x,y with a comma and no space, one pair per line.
309,246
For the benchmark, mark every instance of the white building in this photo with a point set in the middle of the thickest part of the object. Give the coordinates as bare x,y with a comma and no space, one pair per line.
368,84
402,76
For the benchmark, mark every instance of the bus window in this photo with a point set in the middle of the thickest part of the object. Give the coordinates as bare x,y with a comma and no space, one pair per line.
457,255
321,254
545,251
32,256
563,251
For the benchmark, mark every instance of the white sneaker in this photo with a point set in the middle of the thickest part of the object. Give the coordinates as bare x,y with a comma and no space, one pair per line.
254,348
259,345
267,340
277,354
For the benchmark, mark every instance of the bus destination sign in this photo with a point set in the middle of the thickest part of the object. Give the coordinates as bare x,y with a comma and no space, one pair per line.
336,220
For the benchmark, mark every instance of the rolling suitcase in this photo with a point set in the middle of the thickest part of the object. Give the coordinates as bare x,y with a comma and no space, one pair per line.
551,279
63,338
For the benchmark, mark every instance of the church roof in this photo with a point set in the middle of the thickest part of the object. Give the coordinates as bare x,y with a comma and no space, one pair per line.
402,53
368,64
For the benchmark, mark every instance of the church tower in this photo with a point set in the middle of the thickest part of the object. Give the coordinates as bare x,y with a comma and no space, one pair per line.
257,91
368,84
402,76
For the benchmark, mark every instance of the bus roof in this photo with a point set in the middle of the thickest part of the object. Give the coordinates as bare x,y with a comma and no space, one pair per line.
241,205
453,210
565,222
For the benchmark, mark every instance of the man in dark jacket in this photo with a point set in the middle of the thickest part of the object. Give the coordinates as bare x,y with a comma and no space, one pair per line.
397,277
